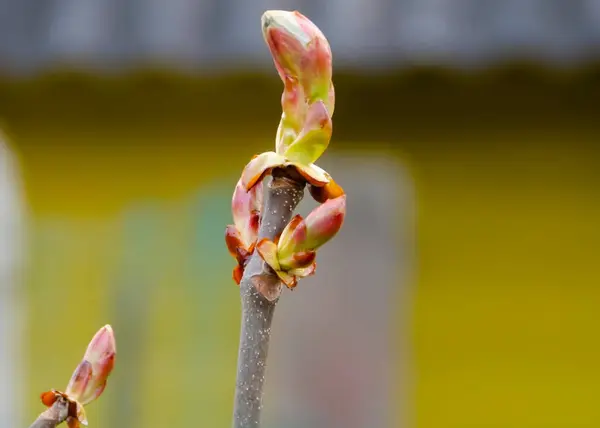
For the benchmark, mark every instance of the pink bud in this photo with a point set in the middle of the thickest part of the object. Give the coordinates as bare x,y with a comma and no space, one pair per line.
299,50
324,222
303,236
246,206
89,379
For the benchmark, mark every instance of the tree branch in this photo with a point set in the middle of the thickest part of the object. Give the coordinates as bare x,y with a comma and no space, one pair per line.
52,416
283,194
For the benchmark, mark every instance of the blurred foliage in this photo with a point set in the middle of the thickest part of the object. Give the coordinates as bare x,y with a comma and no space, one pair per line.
129,177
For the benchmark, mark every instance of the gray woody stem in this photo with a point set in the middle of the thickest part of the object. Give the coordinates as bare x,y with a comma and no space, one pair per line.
52,416
283,194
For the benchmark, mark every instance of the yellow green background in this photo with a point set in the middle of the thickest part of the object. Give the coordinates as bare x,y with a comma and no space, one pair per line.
127,172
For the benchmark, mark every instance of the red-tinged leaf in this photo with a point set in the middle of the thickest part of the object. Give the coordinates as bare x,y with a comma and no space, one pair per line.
292,242
258,167
317,74
312,173
331,190
268,251
304,272
100,354
99,390
330,100
233,240
253,225
245,207
294,106
76,410
285,135
241,256
283,240
79,380
289,280
72,422
303,259
237,274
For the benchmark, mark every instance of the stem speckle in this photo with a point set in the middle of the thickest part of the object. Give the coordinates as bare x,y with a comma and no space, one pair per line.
283,194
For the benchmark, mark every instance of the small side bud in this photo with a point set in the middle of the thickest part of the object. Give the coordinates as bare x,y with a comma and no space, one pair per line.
89,378
303,237
324,222
97,364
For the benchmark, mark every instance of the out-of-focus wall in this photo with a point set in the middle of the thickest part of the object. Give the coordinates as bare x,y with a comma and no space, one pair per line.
156,268
203,34
340,346
485,317
129,184
12,308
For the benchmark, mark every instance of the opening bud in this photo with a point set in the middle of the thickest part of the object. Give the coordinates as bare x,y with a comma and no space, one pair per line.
299,50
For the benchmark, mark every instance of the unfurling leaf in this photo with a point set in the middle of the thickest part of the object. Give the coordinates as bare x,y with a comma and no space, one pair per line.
240,238
258,167
89,378
294,254
314,137
262,164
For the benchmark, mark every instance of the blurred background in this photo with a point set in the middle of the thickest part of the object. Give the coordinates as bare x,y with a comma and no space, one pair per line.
463,290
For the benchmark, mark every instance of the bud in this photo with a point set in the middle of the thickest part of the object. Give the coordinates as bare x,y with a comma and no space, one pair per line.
293,256
299,50
267,249
305,236
246,206
240,238
89,379
324,222
314,137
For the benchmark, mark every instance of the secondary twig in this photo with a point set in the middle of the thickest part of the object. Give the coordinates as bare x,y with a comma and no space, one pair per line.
283,194
87,383
52,416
